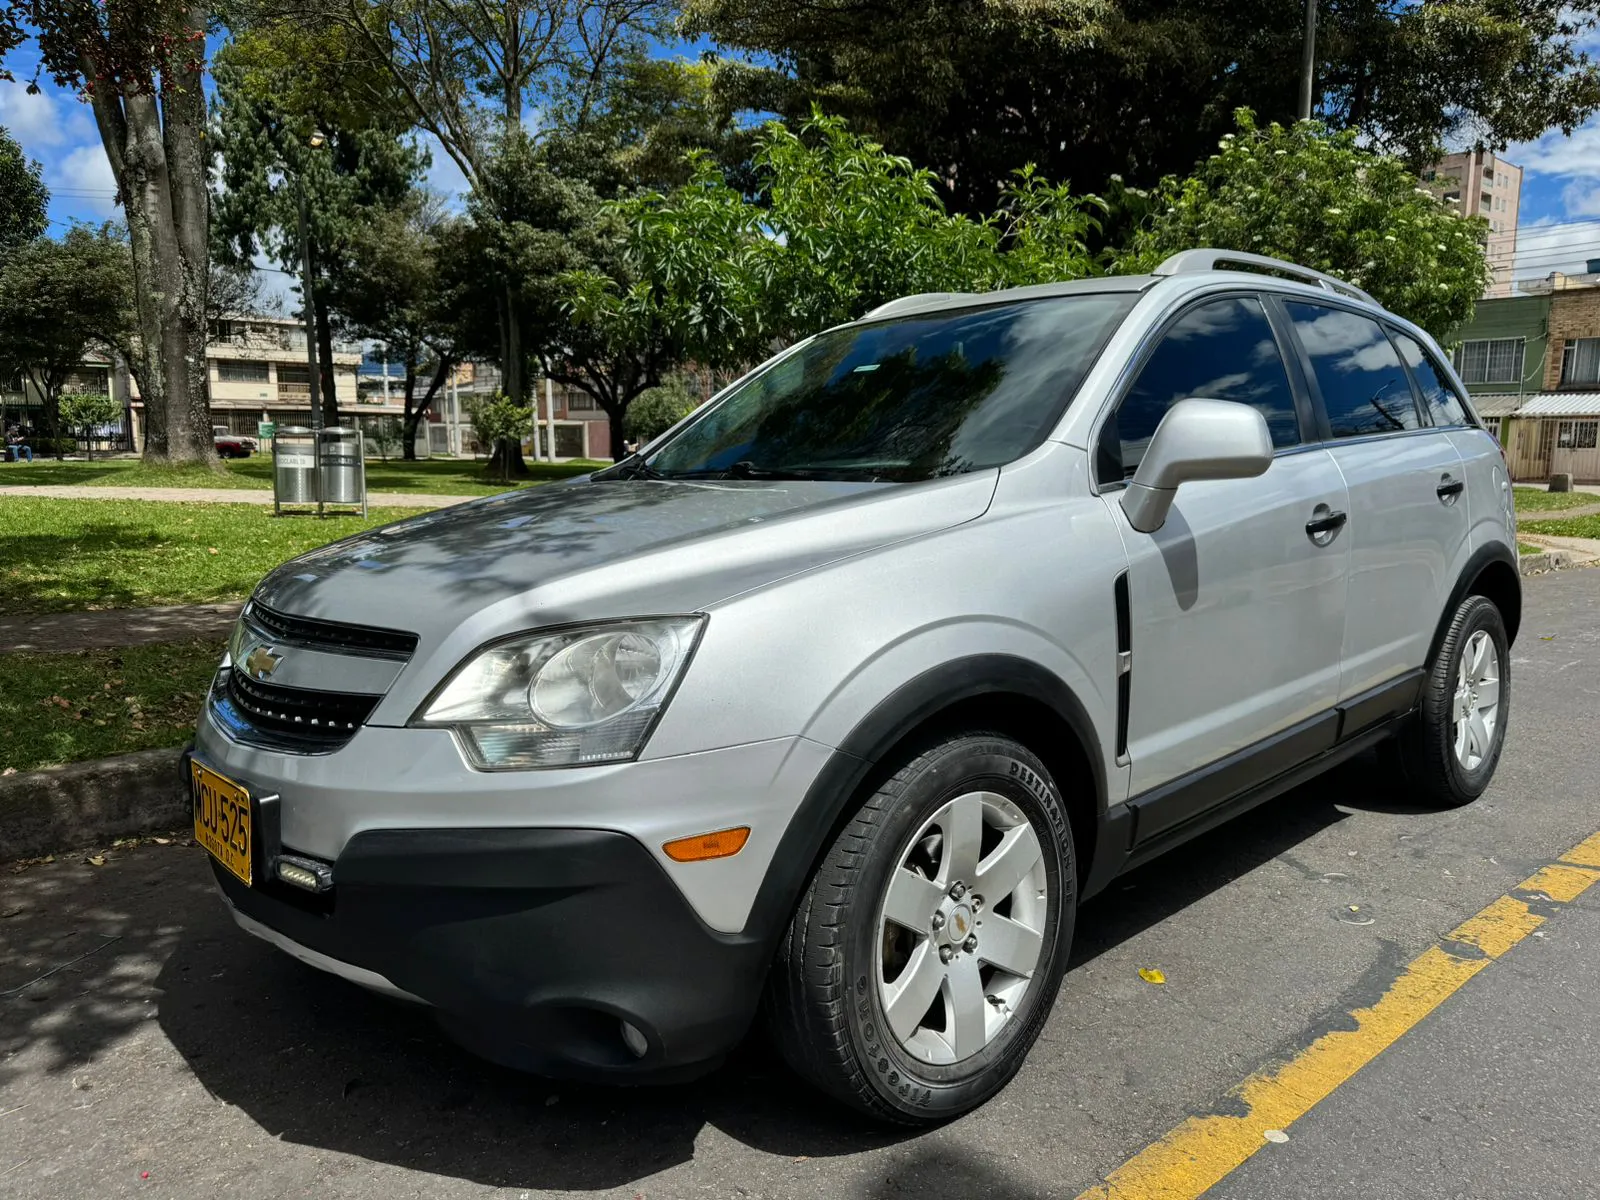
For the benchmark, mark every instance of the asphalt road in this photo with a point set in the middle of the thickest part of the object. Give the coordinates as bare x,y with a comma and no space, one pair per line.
181,1058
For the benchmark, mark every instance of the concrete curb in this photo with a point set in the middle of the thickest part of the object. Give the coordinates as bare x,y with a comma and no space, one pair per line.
1547,560
86,803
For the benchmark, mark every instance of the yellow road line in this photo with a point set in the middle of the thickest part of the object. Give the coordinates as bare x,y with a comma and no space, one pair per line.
1203,1150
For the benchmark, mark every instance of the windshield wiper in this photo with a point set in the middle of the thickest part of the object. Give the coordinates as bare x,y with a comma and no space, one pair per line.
634,467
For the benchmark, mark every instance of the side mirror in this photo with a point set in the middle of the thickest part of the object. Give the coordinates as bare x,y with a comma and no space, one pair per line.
1197,439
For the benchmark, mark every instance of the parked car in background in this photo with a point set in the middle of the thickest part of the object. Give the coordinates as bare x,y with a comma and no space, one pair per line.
834,701
229,446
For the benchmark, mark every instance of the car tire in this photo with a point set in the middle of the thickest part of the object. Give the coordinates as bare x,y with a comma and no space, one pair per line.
1449,750
844,960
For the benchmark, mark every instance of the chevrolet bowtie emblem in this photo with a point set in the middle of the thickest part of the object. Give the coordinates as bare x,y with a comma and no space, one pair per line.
262,662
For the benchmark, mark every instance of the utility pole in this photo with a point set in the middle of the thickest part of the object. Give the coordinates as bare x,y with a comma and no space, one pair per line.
311,328
1308,63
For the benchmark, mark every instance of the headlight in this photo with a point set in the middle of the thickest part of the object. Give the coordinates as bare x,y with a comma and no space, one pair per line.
565,697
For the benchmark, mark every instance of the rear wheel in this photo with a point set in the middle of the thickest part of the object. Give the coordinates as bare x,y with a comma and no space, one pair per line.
925,955
1451,747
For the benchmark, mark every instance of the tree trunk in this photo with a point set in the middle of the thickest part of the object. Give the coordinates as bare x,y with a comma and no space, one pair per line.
619,439
408,427
414,415
330,398
161,175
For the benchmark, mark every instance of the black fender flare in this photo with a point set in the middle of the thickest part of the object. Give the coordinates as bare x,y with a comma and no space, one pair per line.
1489,555
812,827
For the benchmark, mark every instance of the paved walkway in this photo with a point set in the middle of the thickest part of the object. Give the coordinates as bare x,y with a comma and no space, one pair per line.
48,633
1580,551
217,495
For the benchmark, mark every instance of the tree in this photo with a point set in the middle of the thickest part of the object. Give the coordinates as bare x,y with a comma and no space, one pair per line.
270,168
22,197
836,226
86,411
1088,89
57,300
1320,200
659,409
389,287
141,68
500,419
467,73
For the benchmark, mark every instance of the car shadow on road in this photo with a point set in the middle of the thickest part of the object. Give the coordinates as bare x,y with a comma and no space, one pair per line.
319,1062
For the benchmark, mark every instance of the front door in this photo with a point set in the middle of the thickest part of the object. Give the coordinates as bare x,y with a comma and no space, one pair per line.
1237,610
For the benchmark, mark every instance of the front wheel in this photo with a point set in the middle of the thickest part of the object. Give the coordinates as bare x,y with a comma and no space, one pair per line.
1450,749
925,955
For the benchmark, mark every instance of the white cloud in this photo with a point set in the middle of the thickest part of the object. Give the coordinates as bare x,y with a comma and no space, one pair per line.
1581,198
1557,154
43,121
84,175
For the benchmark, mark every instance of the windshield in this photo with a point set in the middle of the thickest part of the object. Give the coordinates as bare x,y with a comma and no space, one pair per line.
903,399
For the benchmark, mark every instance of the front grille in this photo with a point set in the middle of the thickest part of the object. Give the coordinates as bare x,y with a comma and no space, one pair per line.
295,718
334,636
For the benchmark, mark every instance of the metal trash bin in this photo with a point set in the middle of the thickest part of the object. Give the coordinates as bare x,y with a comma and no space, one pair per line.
294,467
344,469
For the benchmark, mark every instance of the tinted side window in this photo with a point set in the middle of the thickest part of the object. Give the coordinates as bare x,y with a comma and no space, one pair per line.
1220,350
1438,395
1364,388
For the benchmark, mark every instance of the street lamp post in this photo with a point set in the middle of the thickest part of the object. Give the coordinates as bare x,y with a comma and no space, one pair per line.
316,140
1308,61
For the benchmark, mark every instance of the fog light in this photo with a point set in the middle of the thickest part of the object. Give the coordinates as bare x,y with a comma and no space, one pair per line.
634,1040
305,873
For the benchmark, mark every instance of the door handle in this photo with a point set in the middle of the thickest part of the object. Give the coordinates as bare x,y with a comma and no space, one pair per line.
1322,528
1450,489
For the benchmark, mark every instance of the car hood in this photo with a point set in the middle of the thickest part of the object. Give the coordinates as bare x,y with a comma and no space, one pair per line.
592,549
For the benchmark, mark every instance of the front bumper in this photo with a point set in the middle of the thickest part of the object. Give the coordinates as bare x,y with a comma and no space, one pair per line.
534,945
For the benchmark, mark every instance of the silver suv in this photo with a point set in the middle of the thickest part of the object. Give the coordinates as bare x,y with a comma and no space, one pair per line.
833,703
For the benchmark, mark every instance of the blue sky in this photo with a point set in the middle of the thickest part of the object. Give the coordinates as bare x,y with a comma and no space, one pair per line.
1559,227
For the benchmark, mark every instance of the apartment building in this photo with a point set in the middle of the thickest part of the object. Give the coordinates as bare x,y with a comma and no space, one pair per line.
1481,184
256,368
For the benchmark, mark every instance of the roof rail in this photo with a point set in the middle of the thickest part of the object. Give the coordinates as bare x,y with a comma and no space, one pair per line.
1189,261
909,302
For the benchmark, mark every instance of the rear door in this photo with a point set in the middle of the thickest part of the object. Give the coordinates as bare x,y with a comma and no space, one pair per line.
1408,515
1236,609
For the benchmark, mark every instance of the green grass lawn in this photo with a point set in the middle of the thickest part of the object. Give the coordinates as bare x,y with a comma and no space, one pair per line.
68,555
1532,500
440,476
57,708
1581,527
1524,548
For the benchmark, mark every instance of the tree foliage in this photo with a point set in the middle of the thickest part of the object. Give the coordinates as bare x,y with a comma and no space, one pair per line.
837,226
270,168
660,408
22,197
1318,199
59,299
1092,88
390,286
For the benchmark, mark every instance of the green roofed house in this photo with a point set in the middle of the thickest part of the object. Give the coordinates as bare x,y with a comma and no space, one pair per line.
1532,364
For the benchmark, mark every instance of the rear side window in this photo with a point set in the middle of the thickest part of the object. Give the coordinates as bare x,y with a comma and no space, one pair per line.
1439,397
1220,350
1364,388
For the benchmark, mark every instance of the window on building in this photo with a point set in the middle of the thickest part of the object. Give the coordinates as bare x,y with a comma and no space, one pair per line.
1493,360
1577,435
1485,200
231,370
1221,350
1364,388
294,373
1438,396
579,401
1580,361
87,381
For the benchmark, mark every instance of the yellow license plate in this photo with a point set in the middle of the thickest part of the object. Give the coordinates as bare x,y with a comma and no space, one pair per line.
222,819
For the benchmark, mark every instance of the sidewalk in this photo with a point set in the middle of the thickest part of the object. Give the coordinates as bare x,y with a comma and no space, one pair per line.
218,495
50,633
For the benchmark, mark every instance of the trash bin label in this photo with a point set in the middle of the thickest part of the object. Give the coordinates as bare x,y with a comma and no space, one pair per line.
303,459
